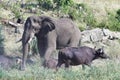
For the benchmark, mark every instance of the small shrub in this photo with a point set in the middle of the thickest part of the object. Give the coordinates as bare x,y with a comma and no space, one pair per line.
15,8
63,3
33,46
102,24
113,23
83,14
118,15
46,4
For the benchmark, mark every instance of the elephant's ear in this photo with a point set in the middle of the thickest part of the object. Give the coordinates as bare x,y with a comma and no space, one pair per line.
27,23
48,24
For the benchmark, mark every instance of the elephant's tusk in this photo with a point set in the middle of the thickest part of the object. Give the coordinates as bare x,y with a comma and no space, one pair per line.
19,40
32,36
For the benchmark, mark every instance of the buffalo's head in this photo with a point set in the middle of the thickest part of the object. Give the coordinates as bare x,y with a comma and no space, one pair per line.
99,53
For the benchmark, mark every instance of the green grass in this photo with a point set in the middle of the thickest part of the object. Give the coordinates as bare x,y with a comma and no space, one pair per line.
108,71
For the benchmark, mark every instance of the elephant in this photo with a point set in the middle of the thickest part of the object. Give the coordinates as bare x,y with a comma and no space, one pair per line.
52,63
51,33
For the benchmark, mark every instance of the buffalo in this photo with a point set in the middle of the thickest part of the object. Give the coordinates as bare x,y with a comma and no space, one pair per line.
79,55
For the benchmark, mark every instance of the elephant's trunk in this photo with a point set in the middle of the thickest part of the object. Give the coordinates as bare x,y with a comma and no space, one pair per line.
25,39
25,50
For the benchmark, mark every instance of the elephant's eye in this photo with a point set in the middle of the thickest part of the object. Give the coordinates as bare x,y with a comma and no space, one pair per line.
34,20
36,29
39,22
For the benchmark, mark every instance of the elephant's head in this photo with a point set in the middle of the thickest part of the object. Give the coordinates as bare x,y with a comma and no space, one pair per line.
35,25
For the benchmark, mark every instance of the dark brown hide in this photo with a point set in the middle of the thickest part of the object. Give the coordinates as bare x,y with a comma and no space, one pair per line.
79,55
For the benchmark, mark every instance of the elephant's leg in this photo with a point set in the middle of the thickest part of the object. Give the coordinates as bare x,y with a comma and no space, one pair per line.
74,42
41,49
41,43
47,55
46,47
24,58
51,45
48,52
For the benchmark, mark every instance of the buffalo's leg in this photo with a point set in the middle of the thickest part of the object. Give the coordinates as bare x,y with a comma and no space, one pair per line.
83,66
67,63
58,65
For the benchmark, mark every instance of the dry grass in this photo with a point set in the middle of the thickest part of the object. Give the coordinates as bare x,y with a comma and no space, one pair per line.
100,7
10,38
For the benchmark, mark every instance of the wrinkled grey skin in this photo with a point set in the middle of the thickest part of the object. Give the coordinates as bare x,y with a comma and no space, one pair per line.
51,63
79,55
51,34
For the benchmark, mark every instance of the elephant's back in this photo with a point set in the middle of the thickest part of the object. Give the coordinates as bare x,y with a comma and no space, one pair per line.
65,30
65,25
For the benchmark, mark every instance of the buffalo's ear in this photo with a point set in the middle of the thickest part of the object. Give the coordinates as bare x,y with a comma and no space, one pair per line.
48,24
94,48
99,51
